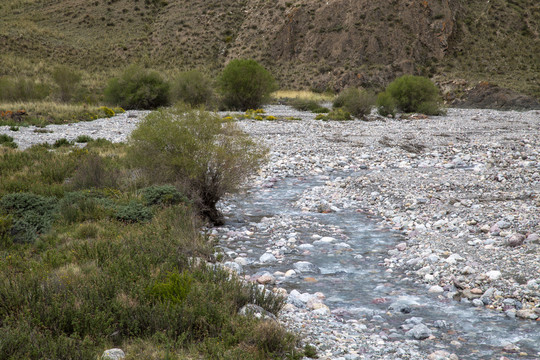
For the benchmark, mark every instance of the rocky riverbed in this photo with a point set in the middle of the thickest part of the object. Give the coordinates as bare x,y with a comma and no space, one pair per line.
459,194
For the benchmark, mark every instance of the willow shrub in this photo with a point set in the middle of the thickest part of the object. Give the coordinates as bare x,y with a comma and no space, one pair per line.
192,88
245,84
138,88
355,101
204,155
415,94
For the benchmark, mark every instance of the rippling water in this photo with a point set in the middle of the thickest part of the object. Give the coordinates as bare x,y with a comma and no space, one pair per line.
356,284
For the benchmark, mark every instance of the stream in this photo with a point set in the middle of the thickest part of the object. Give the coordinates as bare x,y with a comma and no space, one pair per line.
353,277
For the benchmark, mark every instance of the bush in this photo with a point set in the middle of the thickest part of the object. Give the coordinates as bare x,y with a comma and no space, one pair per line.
245,84
31,214
162,195
200,152
62,142
138,88
7,140
133,212
386,104
415,94
83,139
20,89
308,105
192,88
337,114
356,102
93,172
67,81
174,289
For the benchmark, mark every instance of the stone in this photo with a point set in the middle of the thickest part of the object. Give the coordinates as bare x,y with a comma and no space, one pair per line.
419,332
290,273
401,246
266,279
306,267
113,354
467,270
305,247
503,224
234,266
442,355
267,258
533,238
527,314
515,240
257,312
493,275
477,303
242,261
322,311
436,289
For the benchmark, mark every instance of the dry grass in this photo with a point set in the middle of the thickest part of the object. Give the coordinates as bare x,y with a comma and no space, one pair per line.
48,112
302,94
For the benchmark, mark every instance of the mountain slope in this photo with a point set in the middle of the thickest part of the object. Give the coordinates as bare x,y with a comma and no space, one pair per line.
306,43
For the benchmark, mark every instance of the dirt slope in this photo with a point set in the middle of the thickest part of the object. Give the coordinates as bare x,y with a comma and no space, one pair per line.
306,43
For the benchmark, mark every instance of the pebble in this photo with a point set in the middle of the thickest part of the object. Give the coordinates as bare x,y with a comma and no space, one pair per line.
471,208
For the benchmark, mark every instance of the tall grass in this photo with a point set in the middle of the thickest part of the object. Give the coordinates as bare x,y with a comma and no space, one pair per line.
88,281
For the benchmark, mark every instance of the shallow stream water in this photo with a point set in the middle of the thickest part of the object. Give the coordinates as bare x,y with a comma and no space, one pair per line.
355,281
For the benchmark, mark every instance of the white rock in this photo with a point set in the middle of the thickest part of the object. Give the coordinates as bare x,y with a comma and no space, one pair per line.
436,289
494,275
290,273
113,354
267,258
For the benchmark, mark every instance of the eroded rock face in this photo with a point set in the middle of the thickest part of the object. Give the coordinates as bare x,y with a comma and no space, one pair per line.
397,35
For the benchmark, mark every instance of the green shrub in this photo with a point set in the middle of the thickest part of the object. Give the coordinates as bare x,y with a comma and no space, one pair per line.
245,84
174,289
67,80
94,172
355,101
133,212
415,94
83,139
308,105
32,215
7,140
162,195
192,88
385,104
197,150
62,142
81,206
337,114
138,88
21,89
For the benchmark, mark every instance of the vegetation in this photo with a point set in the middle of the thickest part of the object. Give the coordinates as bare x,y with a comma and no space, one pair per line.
202,154
354,101
414,94
113,266
385,104
308,105
43,113
67,82
245,84
138,88
22,89
337,114
193,88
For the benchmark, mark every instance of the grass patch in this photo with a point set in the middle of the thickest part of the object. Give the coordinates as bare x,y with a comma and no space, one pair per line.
302,94
47,112
110,264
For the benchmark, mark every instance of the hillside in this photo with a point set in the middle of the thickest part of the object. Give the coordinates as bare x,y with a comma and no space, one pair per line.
306,43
